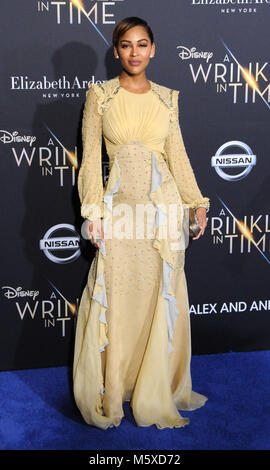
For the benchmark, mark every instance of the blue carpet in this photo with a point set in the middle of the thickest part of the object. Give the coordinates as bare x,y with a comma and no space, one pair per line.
38,411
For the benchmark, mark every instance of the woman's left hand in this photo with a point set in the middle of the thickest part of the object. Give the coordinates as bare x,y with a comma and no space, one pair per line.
201,214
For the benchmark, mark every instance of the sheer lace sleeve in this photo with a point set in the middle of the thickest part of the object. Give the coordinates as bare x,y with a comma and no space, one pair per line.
90,182
179,163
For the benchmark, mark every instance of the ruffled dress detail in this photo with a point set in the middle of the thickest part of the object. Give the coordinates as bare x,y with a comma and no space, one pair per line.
133,327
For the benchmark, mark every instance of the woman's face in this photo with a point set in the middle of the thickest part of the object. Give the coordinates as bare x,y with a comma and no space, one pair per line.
134,50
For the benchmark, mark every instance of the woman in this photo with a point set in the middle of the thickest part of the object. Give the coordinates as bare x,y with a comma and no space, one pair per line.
133,328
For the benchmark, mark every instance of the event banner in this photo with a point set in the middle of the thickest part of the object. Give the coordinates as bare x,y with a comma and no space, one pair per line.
216,53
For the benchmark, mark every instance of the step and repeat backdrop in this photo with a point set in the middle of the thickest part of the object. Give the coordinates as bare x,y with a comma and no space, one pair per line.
217,54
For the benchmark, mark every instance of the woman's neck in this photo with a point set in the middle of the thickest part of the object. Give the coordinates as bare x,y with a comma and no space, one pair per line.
137,83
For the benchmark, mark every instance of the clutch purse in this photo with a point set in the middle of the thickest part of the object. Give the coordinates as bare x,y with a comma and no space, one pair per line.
193,223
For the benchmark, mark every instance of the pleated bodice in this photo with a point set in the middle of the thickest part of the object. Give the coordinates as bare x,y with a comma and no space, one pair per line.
134,117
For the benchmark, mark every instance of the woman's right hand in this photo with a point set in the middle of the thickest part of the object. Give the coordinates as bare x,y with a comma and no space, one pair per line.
95,230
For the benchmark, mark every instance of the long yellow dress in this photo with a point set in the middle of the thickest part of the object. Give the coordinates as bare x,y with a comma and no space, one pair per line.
133,327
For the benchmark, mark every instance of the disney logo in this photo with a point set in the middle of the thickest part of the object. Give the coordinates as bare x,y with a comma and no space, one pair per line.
11,293
7,137
186,53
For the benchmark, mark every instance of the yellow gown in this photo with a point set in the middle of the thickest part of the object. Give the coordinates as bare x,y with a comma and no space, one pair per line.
133,327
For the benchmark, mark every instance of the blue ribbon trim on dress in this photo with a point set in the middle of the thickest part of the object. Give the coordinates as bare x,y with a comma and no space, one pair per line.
160,218
101,297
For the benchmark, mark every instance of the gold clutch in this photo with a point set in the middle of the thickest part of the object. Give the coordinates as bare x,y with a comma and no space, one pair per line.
193,223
